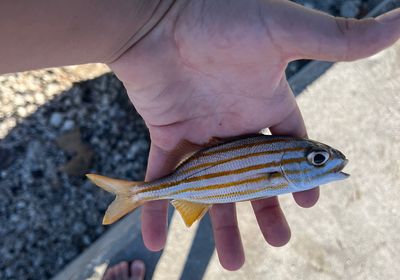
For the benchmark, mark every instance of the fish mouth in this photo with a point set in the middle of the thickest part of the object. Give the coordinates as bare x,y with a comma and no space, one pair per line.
340,168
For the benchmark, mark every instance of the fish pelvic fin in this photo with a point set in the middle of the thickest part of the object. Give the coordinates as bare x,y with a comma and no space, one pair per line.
125,200
190,211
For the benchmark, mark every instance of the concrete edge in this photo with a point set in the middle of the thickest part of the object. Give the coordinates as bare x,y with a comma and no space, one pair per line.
91,265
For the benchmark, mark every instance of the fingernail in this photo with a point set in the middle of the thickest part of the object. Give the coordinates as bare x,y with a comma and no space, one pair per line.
137,270
390,16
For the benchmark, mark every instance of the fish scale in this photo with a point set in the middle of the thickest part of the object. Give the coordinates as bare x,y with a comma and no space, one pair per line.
235,170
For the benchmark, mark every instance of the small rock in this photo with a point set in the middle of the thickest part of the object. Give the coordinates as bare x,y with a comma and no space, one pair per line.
350,9
78,228
56,119
19,100
20,204
9,272
86,240
53,89
137,147
22,112
132,151
68,125
40,98
14,218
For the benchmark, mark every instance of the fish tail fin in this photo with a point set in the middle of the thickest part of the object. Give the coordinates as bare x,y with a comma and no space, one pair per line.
125,200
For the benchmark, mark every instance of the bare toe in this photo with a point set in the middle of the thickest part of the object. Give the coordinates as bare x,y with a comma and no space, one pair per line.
110,274
138,270
117,272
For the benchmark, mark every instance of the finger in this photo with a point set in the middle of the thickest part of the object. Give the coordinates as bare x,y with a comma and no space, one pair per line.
271,220
306,33
307,198
154,224
227,236
138,270
123,272
293,124
154,213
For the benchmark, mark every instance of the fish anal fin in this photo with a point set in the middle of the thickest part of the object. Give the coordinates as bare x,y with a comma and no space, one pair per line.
190,211
121,206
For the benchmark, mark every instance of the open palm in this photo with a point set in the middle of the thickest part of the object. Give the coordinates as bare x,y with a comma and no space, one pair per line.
216,68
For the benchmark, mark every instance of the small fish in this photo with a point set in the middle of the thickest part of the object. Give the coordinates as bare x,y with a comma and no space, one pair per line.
234,170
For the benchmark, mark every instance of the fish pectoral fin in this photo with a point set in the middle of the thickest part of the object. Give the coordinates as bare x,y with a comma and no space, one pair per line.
273,175
190,211
268,175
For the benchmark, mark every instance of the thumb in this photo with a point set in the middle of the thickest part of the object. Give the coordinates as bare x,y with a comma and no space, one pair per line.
309,34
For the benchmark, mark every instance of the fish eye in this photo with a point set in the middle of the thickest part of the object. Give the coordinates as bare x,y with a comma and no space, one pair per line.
318,158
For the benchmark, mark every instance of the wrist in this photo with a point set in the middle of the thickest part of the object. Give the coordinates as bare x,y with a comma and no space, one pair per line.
48,34
132,29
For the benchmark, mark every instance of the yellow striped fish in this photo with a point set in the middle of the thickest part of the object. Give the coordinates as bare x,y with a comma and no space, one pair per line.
239,169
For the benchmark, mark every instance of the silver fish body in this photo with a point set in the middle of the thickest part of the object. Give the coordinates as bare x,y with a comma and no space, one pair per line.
243,169
246,169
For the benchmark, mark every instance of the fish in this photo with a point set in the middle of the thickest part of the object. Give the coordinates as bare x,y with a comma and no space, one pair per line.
231,170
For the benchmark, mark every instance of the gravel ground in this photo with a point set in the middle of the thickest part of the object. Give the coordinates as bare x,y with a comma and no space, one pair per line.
55,127
48,211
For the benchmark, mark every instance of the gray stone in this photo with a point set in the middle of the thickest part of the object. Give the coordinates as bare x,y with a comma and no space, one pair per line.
22,112
68,125
350,9
19,100
56,119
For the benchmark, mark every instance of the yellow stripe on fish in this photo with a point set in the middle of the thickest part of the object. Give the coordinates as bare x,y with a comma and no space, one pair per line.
241,169
206,164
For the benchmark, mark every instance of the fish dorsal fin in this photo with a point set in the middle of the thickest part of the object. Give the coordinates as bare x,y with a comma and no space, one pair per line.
190,211
183,151
214,141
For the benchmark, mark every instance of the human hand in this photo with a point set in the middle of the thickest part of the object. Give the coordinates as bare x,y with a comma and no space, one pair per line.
216,68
